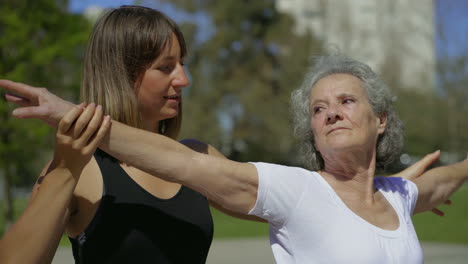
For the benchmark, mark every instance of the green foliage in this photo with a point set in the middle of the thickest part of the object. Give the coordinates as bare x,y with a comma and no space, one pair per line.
437,120
242,78
41,44
422,115
434,114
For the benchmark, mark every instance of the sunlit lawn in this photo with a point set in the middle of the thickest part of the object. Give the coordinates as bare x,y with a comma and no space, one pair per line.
452,228
229,227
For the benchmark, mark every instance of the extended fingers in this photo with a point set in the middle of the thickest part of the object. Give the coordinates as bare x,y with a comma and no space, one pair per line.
420,166
425,162
430,158
16,99
23,90
437,212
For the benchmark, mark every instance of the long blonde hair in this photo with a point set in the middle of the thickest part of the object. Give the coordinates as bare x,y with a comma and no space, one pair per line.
123,44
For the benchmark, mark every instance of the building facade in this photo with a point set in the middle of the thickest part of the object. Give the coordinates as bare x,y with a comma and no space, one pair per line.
389,35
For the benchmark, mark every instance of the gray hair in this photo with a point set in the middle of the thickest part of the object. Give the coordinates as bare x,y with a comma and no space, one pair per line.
389,144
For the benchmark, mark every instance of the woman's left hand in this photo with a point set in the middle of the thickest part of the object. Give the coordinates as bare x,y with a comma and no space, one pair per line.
79,133
418,169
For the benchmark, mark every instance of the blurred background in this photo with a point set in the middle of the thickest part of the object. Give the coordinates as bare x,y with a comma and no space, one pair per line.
245,58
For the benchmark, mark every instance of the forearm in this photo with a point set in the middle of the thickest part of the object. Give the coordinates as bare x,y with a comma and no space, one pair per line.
438,184
231,184
150,152
39,229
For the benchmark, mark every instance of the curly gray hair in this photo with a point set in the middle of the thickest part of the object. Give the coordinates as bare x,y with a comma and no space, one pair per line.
389,144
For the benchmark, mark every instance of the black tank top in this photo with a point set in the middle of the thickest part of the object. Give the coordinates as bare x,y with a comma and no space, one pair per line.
133,226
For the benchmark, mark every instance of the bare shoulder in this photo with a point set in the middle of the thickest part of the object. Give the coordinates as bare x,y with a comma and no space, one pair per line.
202,147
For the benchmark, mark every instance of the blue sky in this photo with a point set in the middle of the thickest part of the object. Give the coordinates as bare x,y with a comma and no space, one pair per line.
451,15
81,5
178,15
453,18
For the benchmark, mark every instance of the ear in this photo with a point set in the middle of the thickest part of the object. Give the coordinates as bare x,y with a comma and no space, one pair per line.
382,123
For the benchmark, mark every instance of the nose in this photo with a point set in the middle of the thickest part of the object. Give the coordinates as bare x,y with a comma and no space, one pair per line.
333,115
180,79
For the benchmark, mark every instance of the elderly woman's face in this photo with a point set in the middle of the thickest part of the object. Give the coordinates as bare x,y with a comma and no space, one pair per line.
342,118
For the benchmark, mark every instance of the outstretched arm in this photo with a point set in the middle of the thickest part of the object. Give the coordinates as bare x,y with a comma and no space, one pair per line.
232,185
438,184
35,236
204,148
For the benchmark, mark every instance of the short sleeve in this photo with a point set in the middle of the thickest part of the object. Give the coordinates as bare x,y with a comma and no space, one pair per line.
280,189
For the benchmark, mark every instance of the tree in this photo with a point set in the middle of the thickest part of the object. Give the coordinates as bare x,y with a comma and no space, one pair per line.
242,78
435,119
41,44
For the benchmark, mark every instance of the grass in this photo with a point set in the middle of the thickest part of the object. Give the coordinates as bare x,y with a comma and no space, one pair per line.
228,227
452,228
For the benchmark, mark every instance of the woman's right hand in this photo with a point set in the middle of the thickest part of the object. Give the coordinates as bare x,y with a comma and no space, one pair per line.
79,133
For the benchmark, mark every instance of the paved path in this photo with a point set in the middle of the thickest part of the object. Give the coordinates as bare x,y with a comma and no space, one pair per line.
258,251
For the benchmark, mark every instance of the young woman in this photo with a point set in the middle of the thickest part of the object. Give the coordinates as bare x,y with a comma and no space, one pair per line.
118,214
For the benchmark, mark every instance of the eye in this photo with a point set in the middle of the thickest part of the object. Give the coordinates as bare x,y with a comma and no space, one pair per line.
317,109
348,101
166,68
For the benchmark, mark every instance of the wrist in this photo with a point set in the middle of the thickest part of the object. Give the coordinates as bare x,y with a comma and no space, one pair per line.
61,173
71,167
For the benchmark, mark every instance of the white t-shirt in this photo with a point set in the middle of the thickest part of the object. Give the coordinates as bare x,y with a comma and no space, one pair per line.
309,223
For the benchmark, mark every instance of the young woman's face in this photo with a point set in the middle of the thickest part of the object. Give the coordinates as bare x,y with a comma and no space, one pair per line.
160,87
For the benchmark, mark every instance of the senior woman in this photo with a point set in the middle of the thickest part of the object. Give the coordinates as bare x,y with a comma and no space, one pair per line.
334,212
